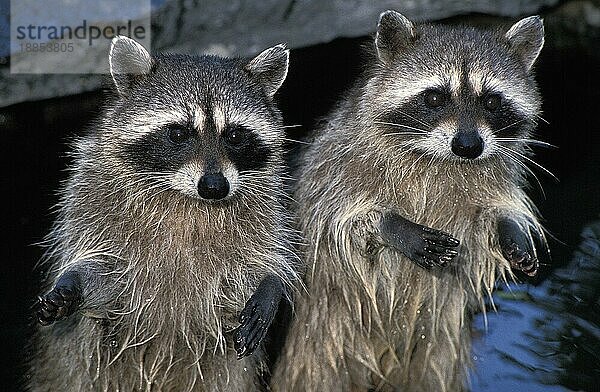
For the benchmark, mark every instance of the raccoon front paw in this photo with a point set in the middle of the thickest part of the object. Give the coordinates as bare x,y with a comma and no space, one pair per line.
516,246
57,304
425,246
255,320
257,316
433,248
520,260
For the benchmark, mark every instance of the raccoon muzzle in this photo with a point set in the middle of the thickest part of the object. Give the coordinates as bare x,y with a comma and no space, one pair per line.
467,145
213,186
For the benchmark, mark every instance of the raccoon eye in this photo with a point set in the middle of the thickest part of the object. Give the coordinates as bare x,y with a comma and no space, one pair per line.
178,134
435,98
492,102
235,135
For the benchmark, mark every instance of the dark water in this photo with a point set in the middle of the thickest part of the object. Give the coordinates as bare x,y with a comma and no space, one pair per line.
545,336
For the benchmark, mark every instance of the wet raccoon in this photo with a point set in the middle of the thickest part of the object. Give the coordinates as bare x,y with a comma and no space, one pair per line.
171,225
421,166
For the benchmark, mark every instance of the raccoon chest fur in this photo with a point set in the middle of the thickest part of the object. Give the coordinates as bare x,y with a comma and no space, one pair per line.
403,308
190,265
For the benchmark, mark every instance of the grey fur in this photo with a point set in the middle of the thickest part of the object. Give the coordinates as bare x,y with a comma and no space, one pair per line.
165,274
372,319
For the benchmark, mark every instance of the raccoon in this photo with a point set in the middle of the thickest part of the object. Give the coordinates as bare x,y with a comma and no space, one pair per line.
411,202
171,224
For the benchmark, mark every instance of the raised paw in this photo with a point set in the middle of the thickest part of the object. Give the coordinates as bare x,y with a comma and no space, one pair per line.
435,249
257,316
255,319
57,304
517,247
521,260
423,245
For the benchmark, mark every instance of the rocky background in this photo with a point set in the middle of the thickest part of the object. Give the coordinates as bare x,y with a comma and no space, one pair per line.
244,27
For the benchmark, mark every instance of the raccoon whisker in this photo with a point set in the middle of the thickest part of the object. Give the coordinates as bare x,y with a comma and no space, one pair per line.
542,118
255,173
267,193
262,190
407,145
295,141
509,154
287,177
268,178
424,123
510,125
160,191
404,133
261,185
292,126
244,200
532,162
256,179
147,192
133,185
150,180
401,126
258,186
527,141
152,185
412,166
141,176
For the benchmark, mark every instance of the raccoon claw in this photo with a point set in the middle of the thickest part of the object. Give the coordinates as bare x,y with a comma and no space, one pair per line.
439,238
255,321
250,333
516,247
521,260
257,316
437,250
57,305
423,245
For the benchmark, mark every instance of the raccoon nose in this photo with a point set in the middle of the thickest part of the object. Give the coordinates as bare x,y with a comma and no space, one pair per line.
213,186
467,145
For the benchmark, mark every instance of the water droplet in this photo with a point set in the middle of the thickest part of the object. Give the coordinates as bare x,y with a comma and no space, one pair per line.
422,336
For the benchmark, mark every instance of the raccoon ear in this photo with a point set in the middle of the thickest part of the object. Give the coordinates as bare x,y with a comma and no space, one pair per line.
394,32
526,39
270,68
129,61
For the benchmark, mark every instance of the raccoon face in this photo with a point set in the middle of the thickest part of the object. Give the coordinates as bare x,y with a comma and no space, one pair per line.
204,126
457,93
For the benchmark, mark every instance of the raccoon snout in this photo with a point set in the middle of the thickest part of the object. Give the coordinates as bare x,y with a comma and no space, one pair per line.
467,145
213,186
